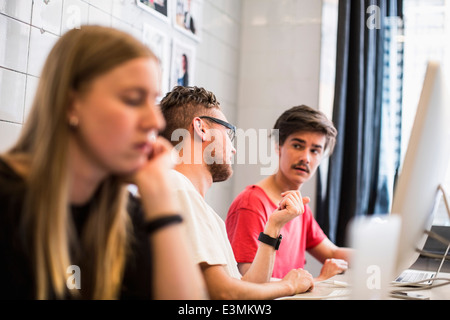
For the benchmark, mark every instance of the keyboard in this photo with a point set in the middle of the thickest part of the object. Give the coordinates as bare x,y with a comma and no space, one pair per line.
409,276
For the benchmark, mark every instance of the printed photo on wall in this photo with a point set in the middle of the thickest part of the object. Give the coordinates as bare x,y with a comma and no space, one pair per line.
182,69
159,8
188,17
159,43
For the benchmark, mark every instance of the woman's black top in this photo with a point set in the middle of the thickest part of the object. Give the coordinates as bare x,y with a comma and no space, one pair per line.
16,270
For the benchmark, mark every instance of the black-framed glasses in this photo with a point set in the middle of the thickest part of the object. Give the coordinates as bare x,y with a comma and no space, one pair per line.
231,129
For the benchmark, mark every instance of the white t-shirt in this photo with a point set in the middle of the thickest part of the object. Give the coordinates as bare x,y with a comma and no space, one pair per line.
205,229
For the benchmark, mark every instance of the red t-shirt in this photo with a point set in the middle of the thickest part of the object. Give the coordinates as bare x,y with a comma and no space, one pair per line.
248,216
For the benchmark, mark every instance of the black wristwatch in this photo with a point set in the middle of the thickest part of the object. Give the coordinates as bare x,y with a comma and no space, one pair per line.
274,242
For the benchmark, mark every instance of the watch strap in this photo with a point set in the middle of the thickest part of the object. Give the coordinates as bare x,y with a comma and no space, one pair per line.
274,242
162,222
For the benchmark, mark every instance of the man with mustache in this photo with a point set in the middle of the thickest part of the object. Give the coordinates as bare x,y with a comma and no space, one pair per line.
305,137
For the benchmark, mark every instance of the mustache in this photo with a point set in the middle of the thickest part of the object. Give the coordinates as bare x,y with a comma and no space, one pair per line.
301,165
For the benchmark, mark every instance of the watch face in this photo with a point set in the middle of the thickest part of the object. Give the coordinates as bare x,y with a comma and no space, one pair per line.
278,242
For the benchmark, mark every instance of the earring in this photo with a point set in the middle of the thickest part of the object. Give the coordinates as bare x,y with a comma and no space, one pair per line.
73,122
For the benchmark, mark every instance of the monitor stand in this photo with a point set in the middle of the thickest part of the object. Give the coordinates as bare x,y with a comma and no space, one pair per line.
431,255
446,201
438,237
411,277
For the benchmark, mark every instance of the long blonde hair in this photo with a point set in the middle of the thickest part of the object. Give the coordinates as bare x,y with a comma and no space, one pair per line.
78,57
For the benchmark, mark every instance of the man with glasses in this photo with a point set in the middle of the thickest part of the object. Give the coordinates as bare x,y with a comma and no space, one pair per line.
196,112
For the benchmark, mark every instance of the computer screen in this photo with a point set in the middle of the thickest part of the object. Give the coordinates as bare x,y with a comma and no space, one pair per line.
424,167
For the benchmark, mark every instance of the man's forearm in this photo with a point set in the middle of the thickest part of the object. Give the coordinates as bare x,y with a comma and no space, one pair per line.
261,268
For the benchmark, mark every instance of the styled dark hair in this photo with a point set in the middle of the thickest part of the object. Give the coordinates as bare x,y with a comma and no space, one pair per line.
304,118
181,105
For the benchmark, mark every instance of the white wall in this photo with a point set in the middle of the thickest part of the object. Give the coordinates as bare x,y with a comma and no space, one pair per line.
280,64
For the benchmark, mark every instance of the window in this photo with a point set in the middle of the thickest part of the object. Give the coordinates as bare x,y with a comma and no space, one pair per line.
426,37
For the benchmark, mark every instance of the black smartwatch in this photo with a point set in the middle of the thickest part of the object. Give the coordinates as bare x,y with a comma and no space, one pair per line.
274,242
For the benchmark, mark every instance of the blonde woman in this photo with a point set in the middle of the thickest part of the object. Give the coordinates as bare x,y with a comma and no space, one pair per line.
68,227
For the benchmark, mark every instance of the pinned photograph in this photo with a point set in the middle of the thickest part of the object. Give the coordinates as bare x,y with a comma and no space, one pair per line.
188,17
159,8
182,69
159,43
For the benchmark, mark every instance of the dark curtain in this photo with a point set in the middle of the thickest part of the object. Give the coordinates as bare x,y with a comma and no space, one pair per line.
352,186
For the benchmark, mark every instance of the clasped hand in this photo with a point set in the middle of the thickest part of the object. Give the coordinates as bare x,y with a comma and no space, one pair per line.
291,206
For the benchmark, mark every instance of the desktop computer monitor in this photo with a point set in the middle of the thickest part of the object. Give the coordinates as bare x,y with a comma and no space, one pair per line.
424,167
